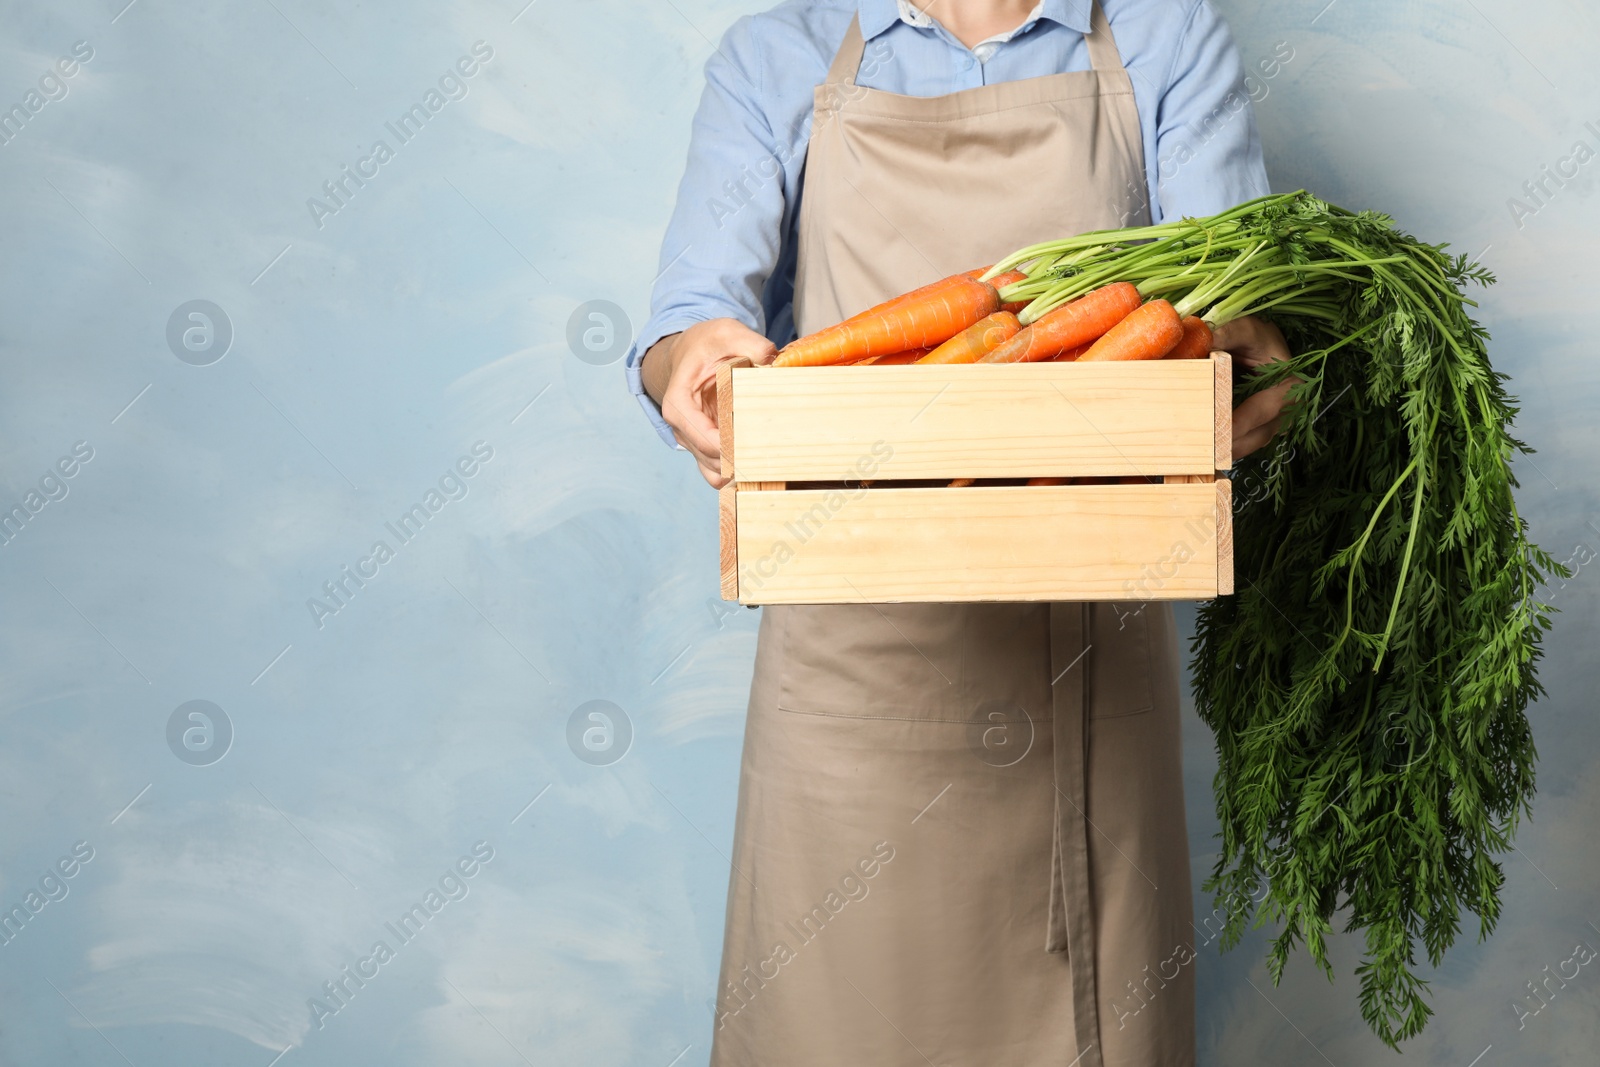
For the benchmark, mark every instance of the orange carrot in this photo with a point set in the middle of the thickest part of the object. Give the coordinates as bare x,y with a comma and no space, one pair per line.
907,322
1148,333
917,293
970,344
913,356
914,294
1069,326
1072,354
1196,343
961,483
1010,277
1049,481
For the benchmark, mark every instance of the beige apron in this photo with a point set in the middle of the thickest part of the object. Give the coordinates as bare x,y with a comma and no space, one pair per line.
960,837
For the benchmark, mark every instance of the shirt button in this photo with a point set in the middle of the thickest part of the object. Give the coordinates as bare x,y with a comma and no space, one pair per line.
966,62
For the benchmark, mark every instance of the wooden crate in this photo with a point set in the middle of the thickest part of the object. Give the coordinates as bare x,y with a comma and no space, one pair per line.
842,543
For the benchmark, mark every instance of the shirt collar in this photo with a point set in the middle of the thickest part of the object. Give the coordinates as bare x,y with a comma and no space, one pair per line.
878,15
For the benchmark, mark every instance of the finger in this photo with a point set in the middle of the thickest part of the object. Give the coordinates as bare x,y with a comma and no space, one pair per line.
1259,407
700,456
1253,342
738,341
695,429
1276,398
698,396
1249,442
707,460
683,442
1248,334
1253,412
690,403
713,475
755,348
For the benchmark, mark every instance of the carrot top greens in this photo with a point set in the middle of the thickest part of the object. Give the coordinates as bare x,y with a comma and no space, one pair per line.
1368,686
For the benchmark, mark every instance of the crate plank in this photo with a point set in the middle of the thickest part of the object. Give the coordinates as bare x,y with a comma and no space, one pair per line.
1223,364
1224,537
725,416
728,540
1113,542
1033,420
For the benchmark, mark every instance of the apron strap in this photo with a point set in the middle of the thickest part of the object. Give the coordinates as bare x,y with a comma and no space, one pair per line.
848,59
1071,918
1103,53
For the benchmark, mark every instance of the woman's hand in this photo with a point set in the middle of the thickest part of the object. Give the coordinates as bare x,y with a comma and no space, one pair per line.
680,374
1254,343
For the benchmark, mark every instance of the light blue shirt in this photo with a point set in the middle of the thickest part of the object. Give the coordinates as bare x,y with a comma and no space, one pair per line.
729,250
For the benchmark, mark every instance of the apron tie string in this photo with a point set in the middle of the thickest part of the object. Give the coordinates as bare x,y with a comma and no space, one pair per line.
1071,924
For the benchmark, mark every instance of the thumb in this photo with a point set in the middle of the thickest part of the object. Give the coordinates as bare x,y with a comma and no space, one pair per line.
753,346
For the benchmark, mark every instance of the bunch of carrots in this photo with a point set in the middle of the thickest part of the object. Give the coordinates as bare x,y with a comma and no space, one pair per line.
967,319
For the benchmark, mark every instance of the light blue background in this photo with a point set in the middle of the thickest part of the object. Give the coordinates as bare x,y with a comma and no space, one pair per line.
425,715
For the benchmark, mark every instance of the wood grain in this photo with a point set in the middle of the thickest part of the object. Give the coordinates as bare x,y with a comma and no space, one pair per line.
728,539
725,416
1224,537
976,421
1222,363
1100,542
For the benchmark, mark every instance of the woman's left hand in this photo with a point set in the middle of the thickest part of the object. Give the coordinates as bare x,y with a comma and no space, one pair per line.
1254,343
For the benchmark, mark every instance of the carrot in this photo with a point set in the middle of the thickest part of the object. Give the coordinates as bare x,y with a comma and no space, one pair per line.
917,293
1072,354
1010,277
960,483
1196,343
1049,481
943,310
914,355
1148,333
1070,325
970,344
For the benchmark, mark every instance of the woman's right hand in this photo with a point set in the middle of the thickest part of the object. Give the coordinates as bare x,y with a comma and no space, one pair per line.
680,374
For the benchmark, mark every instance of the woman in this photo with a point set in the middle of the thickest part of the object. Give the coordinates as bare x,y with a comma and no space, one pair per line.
960,836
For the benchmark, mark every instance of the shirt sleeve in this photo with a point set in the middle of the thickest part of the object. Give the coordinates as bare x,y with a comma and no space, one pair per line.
1207,146
725,235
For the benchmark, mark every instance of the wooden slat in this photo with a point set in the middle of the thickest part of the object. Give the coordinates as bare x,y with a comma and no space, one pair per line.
1223,364
1224,537
728,540
1032,420
1139,542
725,416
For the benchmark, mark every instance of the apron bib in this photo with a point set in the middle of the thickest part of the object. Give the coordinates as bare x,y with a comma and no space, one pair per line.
960,837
